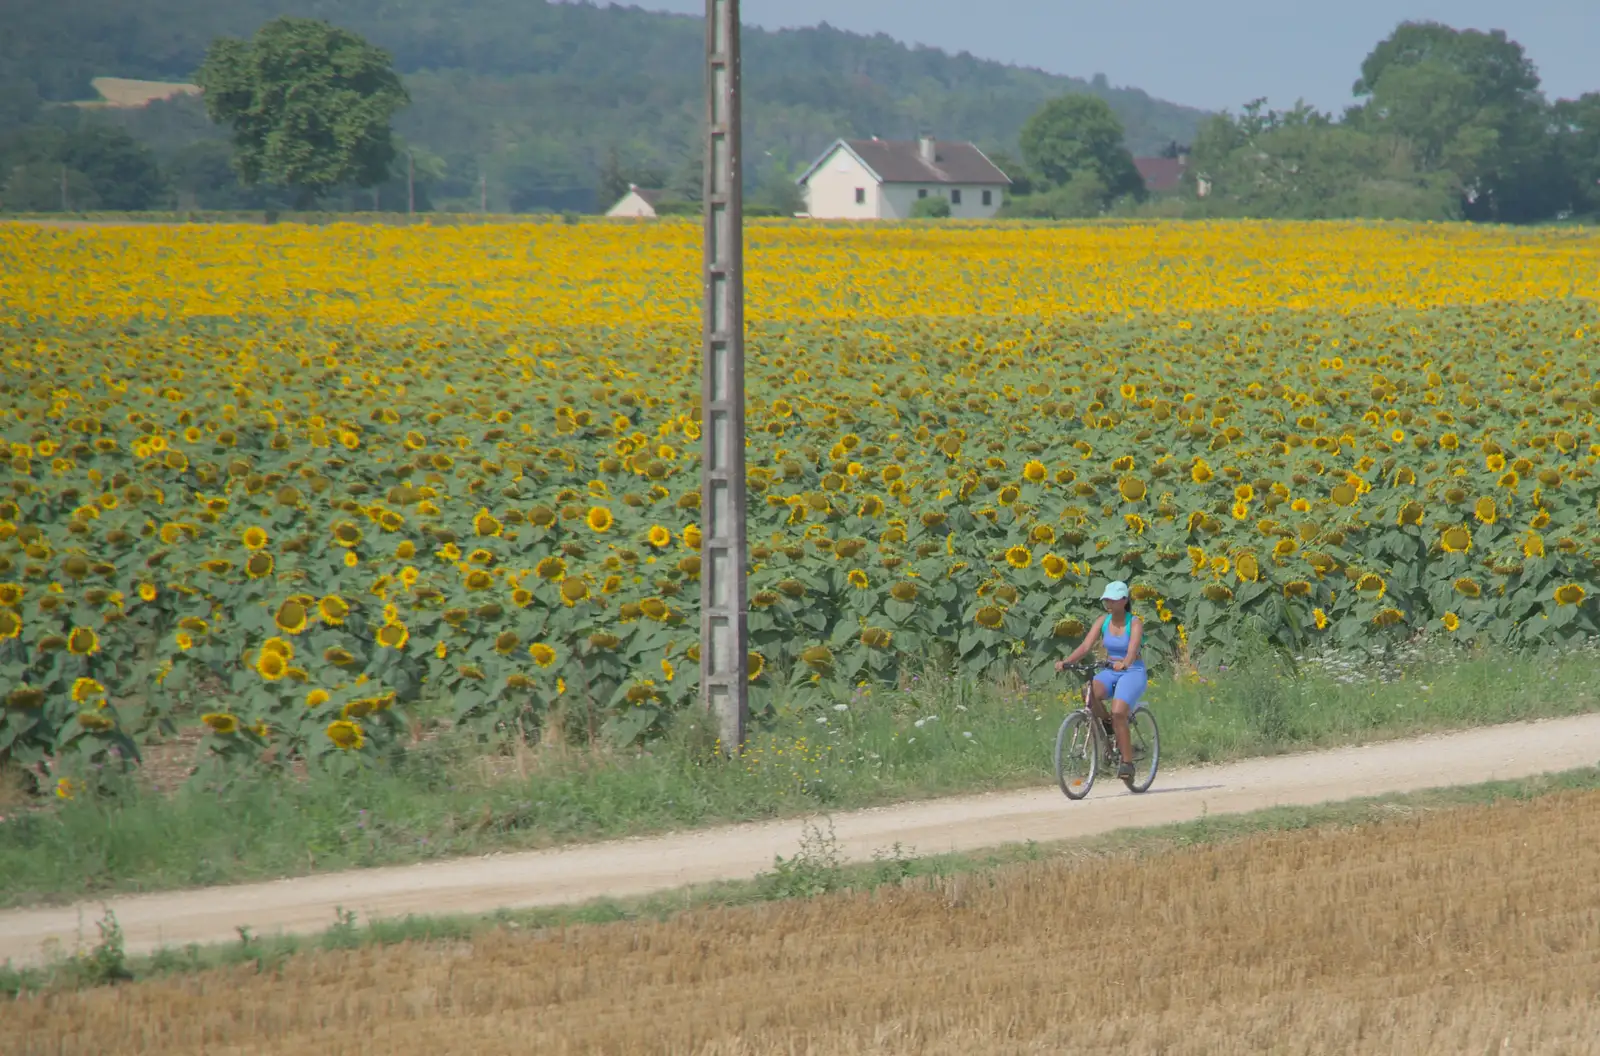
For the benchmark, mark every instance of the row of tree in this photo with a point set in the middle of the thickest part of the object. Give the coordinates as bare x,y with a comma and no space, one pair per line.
1448,124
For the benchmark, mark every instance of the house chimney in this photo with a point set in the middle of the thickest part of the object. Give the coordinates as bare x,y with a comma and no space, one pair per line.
925,147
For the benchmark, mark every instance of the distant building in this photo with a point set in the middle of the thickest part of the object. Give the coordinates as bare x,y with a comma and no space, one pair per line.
1165,175
880,179
639,203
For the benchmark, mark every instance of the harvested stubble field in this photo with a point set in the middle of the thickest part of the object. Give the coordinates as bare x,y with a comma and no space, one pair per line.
1462,931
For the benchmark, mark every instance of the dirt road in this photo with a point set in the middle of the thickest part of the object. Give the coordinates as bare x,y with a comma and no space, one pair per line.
639,866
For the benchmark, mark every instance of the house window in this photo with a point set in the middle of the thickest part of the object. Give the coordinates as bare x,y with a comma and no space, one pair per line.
988,197
922,192
955,196
861,196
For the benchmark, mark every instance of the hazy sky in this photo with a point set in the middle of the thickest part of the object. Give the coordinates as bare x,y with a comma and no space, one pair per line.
1211,53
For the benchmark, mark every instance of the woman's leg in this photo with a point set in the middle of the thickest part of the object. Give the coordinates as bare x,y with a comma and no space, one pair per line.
1119,726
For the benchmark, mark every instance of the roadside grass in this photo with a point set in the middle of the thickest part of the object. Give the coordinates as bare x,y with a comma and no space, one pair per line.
815,870
837,749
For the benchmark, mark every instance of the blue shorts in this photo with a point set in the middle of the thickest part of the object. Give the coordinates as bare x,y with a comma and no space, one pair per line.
1127,686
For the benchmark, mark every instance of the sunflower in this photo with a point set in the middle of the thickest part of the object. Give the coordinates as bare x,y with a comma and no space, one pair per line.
989,616
1344,494
345,735
1320,618
291,617
333,610
221,722
1455,540
1247,568
755,663
393,635
1053,566
1467,587
346,534
10,625
858,579
1485,511
542,654
1218,593
87,689
278,646
1297,588
485,525
573,590
506,642
1200,473
1451,622
1034,472
95,722
603,640
1019,557
271,666
83,641
817,657
792,588
1372,583
255,538
691,537
478,579
317,697
10,594
876,638
1409,513
1570,594
1388,617
406,550
904,591
25,698
1533,545
1042,534
258,565
658,536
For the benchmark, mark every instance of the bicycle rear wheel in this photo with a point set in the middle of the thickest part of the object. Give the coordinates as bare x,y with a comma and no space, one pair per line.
1077,755
1145,738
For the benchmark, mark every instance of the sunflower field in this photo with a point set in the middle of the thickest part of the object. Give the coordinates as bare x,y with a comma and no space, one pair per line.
287,481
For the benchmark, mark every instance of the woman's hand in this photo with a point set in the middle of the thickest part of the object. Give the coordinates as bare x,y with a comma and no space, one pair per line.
1061,665
1120,665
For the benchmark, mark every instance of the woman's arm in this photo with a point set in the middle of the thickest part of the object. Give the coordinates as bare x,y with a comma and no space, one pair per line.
1134,637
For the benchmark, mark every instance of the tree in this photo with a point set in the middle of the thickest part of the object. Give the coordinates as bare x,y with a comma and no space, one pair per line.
1577,123
1079,136
934,208
309,104
105,168
1466,103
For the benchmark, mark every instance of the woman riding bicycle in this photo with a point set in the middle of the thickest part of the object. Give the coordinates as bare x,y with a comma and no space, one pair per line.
1124,680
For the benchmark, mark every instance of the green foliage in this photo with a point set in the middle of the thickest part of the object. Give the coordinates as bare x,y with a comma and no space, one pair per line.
104,168
536,95
309,103
1078,138
816,868
931,208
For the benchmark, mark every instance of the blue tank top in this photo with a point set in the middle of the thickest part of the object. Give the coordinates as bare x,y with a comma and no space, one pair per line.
1117,645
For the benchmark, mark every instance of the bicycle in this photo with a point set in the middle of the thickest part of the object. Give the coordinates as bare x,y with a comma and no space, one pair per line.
1084,744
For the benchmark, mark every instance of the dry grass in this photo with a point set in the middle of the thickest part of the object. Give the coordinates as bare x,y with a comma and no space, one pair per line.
1466,931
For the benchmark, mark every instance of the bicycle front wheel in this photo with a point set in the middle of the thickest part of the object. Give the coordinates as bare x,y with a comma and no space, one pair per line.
1145,738
1077,756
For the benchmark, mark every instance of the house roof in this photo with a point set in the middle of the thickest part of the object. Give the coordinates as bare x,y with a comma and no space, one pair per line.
900,161
1161,174
651,195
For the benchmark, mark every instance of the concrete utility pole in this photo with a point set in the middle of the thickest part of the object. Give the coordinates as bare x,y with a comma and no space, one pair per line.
724,637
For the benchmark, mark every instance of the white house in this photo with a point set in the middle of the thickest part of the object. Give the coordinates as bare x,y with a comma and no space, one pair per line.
639,203
882,179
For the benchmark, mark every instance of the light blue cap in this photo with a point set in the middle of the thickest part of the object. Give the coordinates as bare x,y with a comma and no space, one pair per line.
1116,590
